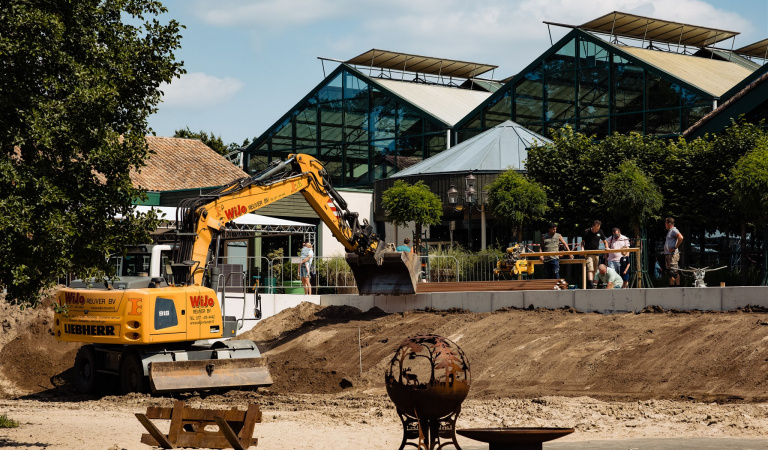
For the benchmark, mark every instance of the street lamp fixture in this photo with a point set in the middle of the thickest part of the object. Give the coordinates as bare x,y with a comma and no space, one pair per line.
469,201
453,196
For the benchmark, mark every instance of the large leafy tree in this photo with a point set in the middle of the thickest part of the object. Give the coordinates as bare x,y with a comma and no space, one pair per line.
630,194
78,80
407,203
563,169
749,178
515,200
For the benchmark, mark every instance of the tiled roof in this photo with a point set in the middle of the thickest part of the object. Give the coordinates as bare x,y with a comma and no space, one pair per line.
183,164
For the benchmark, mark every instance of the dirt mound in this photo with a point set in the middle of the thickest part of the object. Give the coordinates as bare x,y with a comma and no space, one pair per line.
283,322
31,359
513,353
524,354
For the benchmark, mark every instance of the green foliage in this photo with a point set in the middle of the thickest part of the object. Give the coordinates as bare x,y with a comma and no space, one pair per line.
6,422
406,203
80,79
335,272
630,194
560,168
211,140
749,177
514,200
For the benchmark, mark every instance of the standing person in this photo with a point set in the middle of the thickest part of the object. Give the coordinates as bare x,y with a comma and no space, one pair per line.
405,247
671,251
591,241
305,262
624,271
609,277
550,242
614,260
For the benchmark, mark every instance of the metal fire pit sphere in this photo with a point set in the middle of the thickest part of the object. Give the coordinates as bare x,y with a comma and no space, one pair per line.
428,378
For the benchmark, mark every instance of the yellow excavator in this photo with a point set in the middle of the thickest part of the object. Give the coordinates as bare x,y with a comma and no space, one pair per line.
162,325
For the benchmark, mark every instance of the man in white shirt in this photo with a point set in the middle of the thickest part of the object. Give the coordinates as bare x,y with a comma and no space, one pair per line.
305,262
618,261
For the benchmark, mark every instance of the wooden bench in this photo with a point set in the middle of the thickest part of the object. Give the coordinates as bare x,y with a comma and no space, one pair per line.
188,427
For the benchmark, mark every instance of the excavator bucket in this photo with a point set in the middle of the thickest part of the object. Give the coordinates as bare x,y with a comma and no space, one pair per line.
209,374
385,273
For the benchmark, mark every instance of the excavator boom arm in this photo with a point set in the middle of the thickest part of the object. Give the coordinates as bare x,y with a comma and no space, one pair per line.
298,174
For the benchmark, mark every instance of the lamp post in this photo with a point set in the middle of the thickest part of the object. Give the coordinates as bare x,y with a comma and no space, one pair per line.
469,201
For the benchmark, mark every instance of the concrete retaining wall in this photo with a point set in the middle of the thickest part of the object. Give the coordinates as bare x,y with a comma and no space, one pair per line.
608,301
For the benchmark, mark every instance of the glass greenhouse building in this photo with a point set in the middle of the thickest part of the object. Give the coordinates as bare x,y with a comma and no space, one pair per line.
367,126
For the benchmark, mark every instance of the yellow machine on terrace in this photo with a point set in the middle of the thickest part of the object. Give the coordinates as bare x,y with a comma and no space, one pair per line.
161,324
513,263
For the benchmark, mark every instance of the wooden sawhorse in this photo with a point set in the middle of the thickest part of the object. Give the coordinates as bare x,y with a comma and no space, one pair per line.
188,427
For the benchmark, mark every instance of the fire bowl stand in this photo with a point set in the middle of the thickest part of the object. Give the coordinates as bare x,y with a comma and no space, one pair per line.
428,432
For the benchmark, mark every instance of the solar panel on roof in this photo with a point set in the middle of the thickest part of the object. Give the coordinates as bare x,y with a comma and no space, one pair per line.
656,30
384,59
758,49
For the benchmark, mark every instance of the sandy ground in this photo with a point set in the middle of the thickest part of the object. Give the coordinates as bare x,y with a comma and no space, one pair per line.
632,376
354,422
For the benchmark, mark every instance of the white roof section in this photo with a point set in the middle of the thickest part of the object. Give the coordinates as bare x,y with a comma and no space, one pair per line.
169,213
445,103
710,75
502,147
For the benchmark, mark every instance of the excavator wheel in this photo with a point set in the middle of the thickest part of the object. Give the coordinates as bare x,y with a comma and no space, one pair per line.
132,377
86,378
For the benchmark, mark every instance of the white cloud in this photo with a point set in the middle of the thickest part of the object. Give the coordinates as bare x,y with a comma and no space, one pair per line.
198,91
510,33
267,13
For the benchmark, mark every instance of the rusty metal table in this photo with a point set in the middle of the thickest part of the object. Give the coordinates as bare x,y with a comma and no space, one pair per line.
514,438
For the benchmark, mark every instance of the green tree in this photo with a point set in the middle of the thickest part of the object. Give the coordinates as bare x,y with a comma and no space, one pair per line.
630,194
514,200
78,80
209,139
407,203
560,167
749,178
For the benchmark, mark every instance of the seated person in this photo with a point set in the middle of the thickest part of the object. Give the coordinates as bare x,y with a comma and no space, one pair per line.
609,277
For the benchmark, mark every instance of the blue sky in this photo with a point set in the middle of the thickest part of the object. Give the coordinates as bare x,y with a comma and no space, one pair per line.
249,61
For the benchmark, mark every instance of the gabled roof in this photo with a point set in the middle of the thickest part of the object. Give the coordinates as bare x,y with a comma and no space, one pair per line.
662,62
744,83
183,164
738,104
445,103
497,149
710,75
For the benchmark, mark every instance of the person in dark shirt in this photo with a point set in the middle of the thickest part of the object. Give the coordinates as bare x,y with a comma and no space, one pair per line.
590,240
